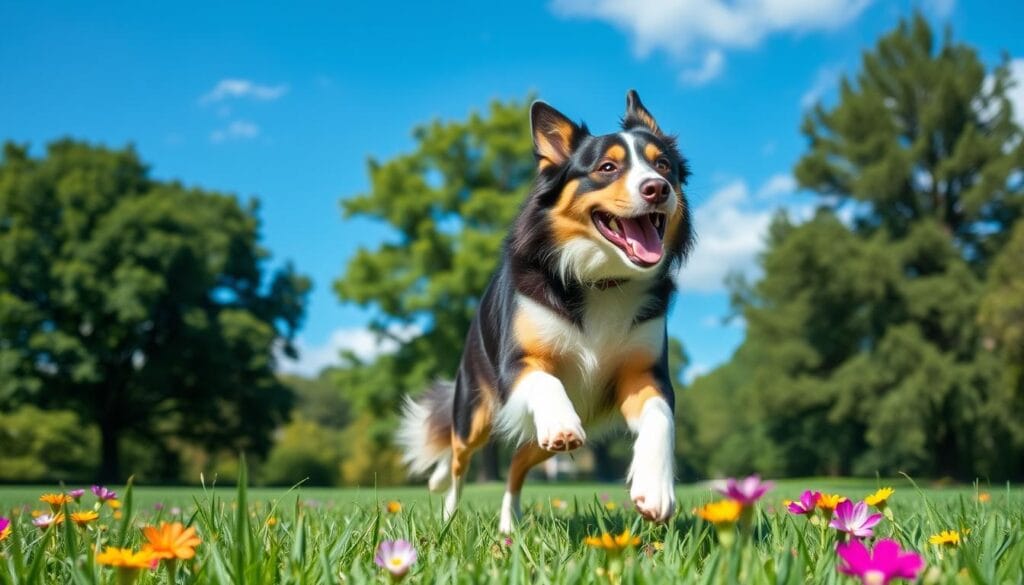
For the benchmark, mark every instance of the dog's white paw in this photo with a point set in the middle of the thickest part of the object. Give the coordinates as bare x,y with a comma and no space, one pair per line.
653,494
510,513
559,431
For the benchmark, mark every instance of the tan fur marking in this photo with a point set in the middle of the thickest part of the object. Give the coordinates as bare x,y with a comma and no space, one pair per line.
616,153
652,152
523,461
570,218
635,386
554,144
479,433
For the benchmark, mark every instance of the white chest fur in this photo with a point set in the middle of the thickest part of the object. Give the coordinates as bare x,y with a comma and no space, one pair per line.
588,356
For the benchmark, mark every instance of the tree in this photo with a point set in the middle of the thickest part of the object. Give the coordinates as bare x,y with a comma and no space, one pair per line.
141,304
863,352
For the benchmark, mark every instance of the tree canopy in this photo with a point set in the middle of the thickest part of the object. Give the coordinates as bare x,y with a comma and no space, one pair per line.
864,351
143,305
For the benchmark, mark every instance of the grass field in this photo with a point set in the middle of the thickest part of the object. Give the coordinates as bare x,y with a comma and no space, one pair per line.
314,535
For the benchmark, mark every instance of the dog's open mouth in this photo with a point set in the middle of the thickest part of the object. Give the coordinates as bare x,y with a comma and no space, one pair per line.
639,237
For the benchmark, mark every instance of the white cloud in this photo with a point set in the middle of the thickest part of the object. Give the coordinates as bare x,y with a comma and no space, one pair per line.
1016,93
729,235
825,80
731,228
694,371
677,26
243,88
712,67
237,130
780,184
365,344
940,8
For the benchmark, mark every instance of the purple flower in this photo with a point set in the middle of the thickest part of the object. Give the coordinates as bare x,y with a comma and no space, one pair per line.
76,495
854,519
158,506
805,507
886,563
5,527
397,556
103,493
45,520
745,491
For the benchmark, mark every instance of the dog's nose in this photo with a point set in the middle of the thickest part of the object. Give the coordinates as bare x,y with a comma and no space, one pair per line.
655,190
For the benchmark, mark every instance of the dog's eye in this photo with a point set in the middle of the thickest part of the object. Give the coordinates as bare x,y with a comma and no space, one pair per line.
662,165
607,167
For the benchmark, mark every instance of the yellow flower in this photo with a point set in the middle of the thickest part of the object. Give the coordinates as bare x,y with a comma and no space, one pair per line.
118,515
394,507
127,558
610,506
559,504
55,500
946,538
114,504
171,541
719,513
879,498
984,497
611,543
658,545
828,502
84,518
271,521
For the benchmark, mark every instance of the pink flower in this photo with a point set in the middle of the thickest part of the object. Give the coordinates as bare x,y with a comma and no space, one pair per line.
103,493
397,556
745,491
854,519
805,507
886,563
76,495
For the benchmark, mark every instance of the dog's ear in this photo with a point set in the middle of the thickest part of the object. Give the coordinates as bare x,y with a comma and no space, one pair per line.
553,134
637,114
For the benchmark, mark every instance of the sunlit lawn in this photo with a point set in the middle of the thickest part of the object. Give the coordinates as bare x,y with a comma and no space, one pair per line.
322,535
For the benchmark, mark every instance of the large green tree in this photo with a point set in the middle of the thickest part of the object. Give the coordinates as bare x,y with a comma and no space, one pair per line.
863,350
143,305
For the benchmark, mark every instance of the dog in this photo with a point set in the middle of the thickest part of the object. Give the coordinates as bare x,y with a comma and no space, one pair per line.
571,327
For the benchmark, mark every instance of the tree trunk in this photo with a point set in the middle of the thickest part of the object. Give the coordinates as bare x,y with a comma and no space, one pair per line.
110,455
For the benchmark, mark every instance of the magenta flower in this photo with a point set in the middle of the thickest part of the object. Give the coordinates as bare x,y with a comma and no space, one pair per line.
805,507
854,519
745,491
5,527
886,563
76,495
45,520
397,556
103,493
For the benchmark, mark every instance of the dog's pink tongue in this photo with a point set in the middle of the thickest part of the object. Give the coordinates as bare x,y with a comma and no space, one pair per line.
642,238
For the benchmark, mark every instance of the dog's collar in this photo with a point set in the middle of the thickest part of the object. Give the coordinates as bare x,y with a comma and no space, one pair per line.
607,283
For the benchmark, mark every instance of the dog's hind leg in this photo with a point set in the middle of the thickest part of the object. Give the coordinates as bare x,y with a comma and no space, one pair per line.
462,451
525,458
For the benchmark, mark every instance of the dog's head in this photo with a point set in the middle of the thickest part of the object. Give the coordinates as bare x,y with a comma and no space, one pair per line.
613,204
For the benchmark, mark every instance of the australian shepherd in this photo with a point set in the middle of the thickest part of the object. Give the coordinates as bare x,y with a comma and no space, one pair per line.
571,327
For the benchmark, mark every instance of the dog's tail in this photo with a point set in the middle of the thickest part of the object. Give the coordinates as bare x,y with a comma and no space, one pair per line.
425,434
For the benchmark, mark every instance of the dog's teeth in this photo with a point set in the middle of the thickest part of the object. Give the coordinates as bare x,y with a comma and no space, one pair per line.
614,224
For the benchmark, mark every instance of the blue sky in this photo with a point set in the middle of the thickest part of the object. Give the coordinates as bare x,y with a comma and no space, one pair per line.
287,103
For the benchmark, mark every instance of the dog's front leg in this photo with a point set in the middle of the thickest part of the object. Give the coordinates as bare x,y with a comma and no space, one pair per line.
539,398
649,415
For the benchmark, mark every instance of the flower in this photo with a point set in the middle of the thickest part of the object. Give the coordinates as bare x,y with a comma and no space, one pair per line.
827,502
725,512
745,491
559,504
76,495
271,521
45,520
394,507
171,541
854,519
397,556
885,563
103,493
114,504
805,507
5,528
948,538
879,498
610,506
611,543
984,498
84,518
127,558
55,500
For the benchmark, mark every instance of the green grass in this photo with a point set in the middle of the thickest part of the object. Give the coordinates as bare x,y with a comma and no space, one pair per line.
330,535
